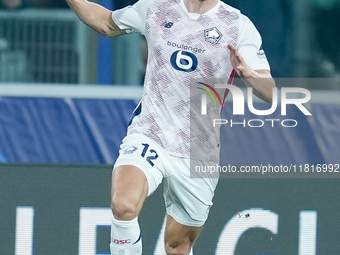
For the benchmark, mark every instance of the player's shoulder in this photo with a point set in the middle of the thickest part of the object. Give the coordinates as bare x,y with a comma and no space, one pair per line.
230,9
144,3
155,2
243,19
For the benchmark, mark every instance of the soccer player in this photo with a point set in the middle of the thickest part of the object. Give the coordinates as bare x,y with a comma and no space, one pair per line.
187,40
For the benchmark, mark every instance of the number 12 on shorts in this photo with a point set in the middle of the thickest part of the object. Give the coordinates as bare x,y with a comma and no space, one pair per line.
151,157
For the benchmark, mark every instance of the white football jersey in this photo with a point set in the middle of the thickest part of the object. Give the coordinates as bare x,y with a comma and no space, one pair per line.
187,52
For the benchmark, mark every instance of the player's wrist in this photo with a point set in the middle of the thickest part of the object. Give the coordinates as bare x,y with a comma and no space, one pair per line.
246,72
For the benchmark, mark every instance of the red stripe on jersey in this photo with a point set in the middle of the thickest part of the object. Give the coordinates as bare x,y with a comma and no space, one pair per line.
230,81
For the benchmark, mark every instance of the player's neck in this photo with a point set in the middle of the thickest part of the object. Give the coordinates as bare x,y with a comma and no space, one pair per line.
200,6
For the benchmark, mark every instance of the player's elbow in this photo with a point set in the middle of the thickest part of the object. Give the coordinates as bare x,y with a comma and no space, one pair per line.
103,29
109,31
106,32
268,97
268,100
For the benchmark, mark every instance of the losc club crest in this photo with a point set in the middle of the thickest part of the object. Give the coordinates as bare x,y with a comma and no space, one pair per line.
212,35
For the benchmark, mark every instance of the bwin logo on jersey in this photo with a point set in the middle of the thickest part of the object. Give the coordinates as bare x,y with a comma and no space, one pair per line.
212,35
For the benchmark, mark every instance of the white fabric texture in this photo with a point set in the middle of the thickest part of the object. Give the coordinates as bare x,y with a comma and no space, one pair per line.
184,47
125,237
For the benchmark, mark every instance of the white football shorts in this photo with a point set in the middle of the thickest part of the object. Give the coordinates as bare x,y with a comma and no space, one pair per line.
187,200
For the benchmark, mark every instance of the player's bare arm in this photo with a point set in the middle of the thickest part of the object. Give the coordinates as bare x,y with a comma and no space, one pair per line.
96,17
260,80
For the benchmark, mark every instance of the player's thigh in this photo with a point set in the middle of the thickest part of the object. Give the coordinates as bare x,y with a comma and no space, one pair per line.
179,238
129,190
136,175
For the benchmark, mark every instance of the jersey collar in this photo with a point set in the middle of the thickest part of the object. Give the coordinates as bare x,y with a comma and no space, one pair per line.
193,15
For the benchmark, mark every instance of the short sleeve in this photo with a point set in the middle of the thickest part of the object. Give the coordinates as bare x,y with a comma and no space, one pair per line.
249,45
132,18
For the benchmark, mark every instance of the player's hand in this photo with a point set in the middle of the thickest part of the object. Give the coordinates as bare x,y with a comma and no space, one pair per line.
238,63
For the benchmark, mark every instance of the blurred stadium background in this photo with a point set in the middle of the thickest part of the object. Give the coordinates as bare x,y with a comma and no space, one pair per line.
67,94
